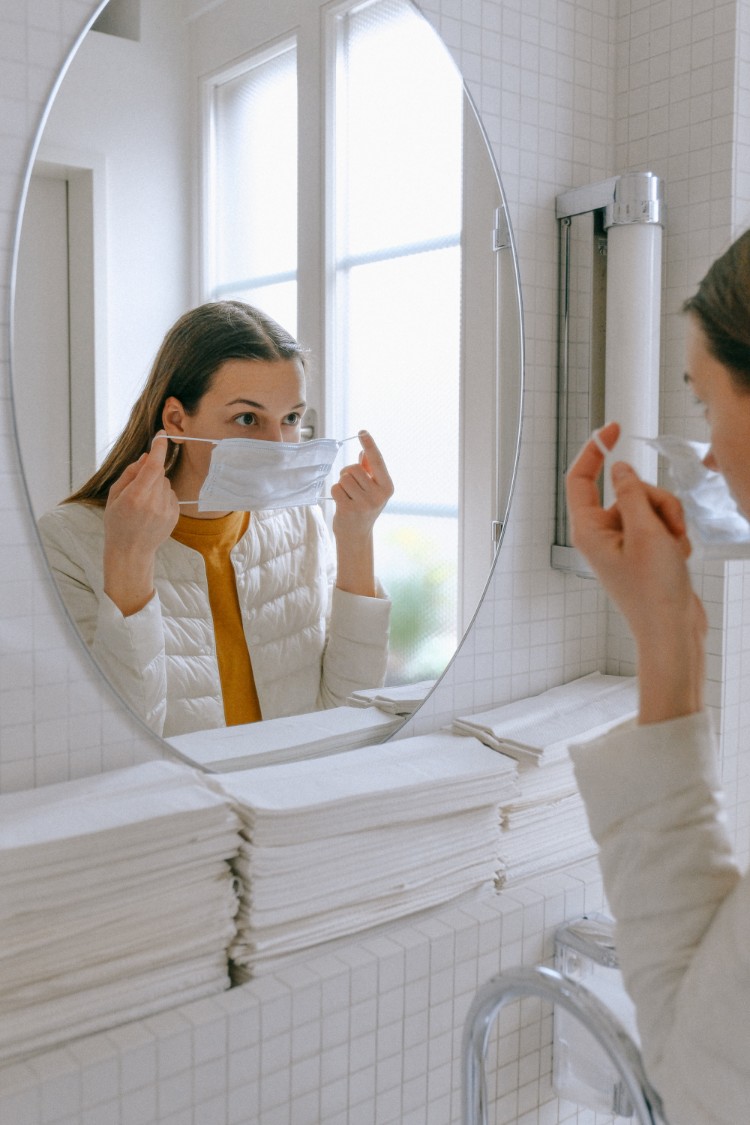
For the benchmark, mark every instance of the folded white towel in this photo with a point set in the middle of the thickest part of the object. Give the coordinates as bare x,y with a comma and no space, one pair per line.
290,885
341,844
116,901
47,1024
401,699
407,780
539,729
544,836
124,809
289,739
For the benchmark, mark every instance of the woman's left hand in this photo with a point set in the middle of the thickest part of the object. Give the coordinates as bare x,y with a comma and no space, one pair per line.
361,493
639,548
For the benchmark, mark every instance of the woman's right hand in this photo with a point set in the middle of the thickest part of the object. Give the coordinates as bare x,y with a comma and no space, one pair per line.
140,515
639,548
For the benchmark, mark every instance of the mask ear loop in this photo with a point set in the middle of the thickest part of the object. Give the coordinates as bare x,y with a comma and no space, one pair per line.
352,437
177,441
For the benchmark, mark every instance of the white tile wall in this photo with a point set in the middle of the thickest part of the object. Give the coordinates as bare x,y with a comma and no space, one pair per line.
370,1032
570,91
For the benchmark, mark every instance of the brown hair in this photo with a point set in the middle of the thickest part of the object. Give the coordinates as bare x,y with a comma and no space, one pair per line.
190,354
722,306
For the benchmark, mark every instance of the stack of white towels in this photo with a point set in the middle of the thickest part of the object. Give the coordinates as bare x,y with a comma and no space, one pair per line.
116,901
338,845
545,827
132,891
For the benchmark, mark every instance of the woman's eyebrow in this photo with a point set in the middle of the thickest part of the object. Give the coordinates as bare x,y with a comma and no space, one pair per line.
259,405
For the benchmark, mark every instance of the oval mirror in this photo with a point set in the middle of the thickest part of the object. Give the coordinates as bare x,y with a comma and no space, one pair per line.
322,162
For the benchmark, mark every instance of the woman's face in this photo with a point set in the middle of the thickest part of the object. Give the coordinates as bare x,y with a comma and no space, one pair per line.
246,398
727,411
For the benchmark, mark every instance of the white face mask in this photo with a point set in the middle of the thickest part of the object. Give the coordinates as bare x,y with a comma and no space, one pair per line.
717,528
248,474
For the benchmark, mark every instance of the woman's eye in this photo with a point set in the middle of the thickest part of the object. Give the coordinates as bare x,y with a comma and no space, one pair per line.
246,419
293,419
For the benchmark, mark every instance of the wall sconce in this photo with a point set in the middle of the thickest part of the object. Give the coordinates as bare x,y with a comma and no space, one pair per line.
608,347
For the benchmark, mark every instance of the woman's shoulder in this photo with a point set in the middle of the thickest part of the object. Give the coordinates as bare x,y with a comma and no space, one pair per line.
73,519
73,536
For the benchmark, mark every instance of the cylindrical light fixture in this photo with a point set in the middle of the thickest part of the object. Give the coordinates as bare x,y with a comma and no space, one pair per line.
633,221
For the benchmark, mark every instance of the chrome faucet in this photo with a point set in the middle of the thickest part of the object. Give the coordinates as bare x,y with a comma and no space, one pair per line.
547,984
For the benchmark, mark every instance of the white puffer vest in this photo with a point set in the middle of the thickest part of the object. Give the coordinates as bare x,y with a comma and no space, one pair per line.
310,644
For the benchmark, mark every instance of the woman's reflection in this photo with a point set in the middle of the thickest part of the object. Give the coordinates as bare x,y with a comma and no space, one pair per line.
230,616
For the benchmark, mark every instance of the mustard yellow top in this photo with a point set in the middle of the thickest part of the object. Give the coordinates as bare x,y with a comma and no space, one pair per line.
214,539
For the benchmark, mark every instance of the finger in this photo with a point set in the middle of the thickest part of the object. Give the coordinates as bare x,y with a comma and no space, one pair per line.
640,503
589,461
340,494
349,485
358,487
669,508
581,477
153,467
362,489
159,448
127,476
357,474
371,457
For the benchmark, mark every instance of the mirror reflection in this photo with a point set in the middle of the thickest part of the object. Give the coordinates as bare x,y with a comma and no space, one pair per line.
355,206
267,626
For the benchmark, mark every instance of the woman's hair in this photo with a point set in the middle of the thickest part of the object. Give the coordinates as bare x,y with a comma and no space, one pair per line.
722,306
190,354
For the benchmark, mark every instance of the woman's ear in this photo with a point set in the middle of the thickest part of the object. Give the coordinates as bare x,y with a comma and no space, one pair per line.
173,418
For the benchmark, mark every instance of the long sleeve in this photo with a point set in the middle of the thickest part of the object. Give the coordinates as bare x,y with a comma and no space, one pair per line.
682,910
356,653
128,650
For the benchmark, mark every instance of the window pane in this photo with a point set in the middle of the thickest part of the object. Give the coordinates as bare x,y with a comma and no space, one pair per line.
398,135
398,291
254,184
403,344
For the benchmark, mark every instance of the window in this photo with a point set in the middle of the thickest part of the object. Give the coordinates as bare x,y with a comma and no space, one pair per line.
396,314
252,212
326,147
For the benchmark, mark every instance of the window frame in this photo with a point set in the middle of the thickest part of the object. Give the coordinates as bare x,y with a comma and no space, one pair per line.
480,422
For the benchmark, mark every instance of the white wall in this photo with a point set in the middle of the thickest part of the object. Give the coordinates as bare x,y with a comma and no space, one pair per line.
584,90
129,103
371,1034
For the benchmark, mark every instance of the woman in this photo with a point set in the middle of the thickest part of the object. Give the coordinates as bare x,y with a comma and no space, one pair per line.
217,617
652,789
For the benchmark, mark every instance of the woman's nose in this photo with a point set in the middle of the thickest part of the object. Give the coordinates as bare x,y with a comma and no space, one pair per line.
710,461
